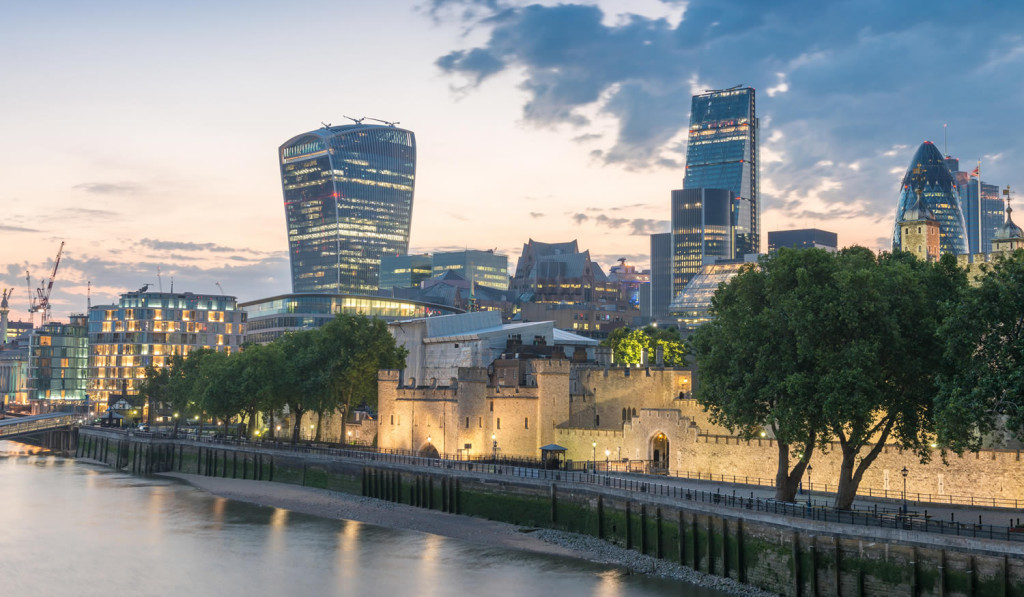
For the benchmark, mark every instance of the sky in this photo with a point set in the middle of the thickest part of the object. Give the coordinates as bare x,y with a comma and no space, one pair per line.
144,134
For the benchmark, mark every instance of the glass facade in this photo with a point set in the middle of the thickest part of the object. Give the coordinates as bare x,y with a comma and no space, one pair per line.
482,267
404,271
58,361
348,194
806,238
271,318
722,153
990,207
147,328
690,309
661,275
701,231
929,174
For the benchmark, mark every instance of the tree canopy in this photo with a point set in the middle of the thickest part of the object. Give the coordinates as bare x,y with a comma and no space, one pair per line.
628,345
981,391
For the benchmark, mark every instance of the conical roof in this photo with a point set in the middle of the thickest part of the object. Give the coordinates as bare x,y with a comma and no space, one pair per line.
918,211
929,181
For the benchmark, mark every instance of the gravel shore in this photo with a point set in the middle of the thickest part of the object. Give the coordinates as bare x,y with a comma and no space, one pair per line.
330,504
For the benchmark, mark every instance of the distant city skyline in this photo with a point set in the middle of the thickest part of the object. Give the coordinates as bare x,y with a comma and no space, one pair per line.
145,137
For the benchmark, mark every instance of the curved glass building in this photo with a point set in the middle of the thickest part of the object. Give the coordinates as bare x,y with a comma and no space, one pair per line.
348,200
929,174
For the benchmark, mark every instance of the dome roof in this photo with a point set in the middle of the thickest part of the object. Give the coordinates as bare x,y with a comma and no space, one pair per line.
1009,230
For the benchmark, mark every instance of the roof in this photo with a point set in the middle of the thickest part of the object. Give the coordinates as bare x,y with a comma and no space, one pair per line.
553,448
563,337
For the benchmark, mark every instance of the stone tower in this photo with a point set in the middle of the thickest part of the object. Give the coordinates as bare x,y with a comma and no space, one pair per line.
920,231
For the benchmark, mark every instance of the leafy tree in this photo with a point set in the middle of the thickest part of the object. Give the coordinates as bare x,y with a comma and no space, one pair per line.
303,376
756,357
877,364
261,382
984,337
355,347
154,388
628,345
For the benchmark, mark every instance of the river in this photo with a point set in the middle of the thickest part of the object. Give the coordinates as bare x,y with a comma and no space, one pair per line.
71,528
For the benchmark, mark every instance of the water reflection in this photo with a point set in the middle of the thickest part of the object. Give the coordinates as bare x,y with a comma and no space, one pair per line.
111,533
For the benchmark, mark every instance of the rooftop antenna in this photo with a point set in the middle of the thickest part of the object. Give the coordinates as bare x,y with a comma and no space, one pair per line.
159,281
172,284
383,121
945,149
327,125
88,296
356,120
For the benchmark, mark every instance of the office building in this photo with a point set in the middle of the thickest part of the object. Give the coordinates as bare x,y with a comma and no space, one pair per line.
348,193
270,318
806,238
929,176
661,277
404,271
702,231
58,361
690,307
977,197
479,267
148,328
722,153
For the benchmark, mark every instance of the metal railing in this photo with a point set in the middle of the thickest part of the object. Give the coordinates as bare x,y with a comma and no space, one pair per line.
36,424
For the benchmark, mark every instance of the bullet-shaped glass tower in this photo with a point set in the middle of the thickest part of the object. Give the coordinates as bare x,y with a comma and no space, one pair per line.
348,194
929,175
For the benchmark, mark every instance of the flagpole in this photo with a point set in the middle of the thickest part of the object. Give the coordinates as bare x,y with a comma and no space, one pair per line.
981,241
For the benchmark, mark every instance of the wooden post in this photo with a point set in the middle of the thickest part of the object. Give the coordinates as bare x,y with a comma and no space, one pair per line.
837,579
696,542
629,526
600,517
643,529
725,548
796,566
658,550
554,504
682,540
741,564
812,546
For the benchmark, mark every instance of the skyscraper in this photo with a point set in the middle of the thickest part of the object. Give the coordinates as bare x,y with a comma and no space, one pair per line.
980,229
661,275
805,238
348,194
929,174
722,153
702,231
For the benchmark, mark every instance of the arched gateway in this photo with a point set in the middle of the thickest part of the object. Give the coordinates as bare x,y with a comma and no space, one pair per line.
659,454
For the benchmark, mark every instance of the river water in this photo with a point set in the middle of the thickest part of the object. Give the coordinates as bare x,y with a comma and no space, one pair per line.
69,528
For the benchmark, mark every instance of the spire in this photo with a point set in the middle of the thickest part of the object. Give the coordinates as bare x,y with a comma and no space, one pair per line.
1009,230
918,211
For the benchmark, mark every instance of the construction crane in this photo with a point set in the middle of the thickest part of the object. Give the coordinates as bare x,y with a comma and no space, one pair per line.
42,302
31,297
220,287
383,121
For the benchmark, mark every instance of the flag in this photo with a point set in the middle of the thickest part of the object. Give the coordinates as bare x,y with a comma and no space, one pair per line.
976,171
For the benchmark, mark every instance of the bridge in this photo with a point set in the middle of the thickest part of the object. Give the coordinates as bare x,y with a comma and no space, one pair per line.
16,427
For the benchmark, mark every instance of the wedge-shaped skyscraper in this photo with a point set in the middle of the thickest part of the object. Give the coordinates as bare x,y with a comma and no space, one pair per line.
929,174
348,194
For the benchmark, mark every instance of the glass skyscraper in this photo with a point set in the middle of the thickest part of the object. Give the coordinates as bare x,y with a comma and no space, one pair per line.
701,231
929,174
722,153
348,200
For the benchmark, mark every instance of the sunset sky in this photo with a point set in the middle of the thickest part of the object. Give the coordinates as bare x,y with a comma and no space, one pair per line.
145,134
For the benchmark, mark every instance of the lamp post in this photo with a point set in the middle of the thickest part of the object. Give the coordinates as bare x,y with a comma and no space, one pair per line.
904,472
494,447
809,469
350,437
607,454
593,457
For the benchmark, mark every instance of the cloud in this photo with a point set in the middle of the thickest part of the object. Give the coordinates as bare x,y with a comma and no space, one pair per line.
587,137
166,245
842,82
5,228
536,214
108,188
636,226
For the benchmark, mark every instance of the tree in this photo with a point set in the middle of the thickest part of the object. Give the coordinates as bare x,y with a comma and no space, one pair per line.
261,381
982,391
355,348
303,377
877,365
154,388
628,345
756,357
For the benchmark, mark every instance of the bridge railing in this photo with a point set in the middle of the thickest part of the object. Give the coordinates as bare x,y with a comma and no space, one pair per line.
39,423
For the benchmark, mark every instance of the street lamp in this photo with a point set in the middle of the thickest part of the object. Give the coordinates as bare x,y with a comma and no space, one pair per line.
809,469
494,447
904,472
350,437
607,453
593,457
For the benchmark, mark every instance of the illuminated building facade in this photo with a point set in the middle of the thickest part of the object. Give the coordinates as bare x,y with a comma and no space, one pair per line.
690,308
977,197
661,277
348,194
404,271
479,267
929,176
270,318
702,231
58,361
722,153
148,328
